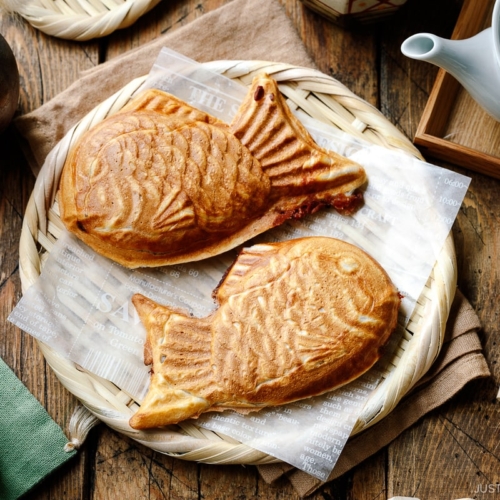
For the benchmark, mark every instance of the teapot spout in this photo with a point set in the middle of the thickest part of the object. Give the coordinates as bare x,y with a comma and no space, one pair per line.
426,47
473,62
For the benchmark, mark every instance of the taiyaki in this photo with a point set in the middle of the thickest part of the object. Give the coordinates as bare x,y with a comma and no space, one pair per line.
162,183
294,319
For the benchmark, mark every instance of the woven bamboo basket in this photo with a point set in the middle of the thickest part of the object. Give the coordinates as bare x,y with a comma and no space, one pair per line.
321,97
79,19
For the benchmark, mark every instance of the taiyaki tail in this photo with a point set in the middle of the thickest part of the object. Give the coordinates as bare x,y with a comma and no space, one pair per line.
287,152
180,365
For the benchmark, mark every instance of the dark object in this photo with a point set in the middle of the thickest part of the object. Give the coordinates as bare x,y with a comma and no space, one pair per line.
9,84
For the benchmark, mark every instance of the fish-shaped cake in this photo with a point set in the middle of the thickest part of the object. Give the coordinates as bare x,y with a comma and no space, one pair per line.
295,319
162,182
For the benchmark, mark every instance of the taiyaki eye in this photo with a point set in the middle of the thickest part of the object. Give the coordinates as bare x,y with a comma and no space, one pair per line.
259,93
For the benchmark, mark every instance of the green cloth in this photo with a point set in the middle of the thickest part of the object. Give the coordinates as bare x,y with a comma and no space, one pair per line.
31,443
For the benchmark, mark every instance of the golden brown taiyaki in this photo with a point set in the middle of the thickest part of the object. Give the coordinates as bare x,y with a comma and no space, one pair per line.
162,182
295,319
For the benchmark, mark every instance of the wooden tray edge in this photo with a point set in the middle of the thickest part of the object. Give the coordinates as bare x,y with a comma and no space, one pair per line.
440,102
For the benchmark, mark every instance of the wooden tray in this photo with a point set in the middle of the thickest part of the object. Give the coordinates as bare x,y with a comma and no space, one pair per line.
453,126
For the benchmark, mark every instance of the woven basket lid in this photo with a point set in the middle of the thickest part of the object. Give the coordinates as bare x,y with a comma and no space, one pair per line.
79,19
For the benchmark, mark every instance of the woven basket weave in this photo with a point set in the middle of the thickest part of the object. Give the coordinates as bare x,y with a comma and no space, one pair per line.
79,19
323,98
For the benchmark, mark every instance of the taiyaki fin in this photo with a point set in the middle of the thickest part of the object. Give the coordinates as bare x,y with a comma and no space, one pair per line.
287,152
239,276
167,104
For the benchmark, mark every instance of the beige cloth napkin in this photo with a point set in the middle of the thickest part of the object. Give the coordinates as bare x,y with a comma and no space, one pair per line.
258,29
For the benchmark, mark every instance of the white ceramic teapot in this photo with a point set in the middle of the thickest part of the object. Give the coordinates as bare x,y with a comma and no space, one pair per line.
474,62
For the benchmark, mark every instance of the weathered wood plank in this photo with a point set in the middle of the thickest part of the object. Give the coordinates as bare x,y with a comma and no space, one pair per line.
405,84
46,67
350,56
369,479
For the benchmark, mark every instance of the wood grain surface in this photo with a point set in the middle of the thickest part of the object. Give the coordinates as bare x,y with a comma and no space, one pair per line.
452,453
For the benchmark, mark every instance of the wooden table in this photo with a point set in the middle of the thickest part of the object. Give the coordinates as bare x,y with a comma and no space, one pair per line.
451,453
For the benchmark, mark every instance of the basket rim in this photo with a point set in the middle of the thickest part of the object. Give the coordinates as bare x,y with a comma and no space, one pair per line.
80,20
204,446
